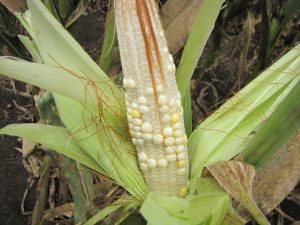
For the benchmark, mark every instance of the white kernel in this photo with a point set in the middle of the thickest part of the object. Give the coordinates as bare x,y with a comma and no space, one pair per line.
181,156
178,133
166,118
143,157
151,163
162,163
172,102
163,100
180,148
149,91
125,83
140,142
134,141
147,128
136,128
137,134
164,109
161,33
171,158
169,150
178,103
144,109
130,83
130,126
159,88
134,105
165,50
158,139
143,166
129,110
168,132
169,141
171,58
181,171
179,140
176,126
137,122
170,68
147,137
174,68
142,100
127,104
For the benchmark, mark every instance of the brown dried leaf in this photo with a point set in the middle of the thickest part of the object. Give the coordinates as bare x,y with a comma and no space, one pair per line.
236,178
178,17
15,5
63,210
27,147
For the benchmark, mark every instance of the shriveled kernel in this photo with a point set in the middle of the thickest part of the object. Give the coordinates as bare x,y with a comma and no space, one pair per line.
130,83
180,148
143,157
149,91
144,166
135,114
181,156
175,118
181,171
178,133
159,88
176,126
183,192
158,139
169,141
168,132
147,137
162,163
151,163
142,100
147,128
170,150
127,104
171,58
171,158
134,141
166,118
165,50
137,122
164,109
181,163
162,100
143,109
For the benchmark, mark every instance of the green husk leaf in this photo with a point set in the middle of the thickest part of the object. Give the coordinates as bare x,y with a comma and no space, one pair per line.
278,128
227,129
56,138
31,47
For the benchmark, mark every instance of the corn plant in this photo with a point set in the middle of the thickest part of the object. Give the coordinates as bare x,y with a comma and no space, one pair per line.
138,137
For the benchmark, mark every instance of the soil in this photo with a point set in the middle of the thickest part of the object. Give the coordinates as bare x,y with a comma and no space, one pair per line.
12,173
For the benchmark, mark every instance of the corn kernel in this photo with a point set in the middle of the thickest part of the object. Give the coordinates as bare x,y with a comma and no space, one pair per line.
135,114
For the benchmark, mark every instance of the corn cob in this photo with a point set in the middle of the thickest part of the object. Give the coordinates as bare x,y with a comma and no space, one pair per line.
153,102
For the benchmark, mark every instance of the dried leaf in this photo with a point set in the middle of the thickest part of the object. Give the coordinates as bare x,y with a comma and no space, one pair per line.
77,12
236,178
178,17
15,5
27,147
63,210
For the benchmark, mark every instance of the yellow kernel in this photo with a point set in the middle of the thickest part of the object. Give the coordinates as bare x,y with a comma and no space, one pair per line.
181,163
135,114
183,192
175,118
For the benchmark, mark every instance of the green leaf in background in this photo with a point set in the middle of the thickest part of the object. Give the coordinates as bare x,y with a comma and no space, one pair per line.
196,41
222,135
